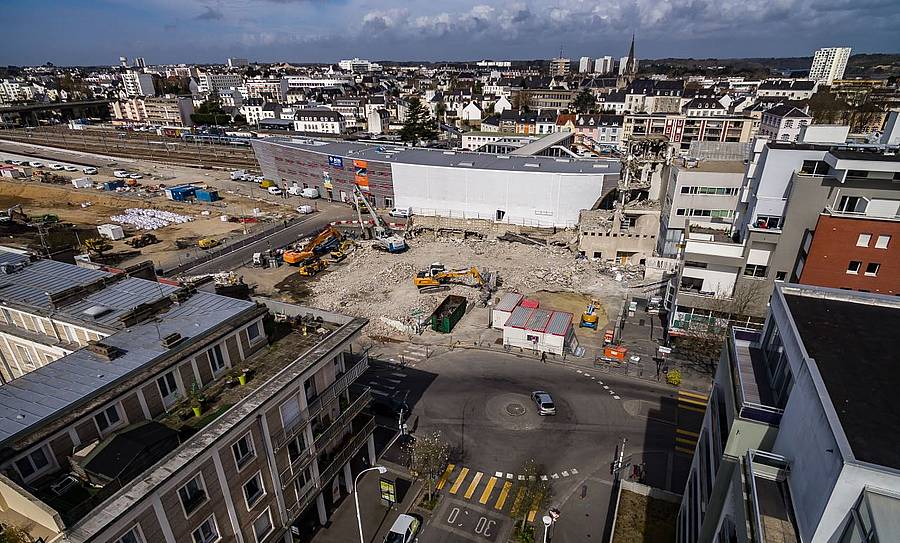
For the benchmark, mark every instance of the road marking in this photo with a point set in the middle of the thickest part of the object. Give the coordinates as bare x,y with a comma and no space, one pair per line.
509,475
504,492
459,480
397,374
616,397
601,382
605,387
574,471
499,474
694,409
578,371
565,473
379,392
687,432
592,378
520,495
544,477
686,440
555,476
443,480
473,485
684,451
532,478
534,507
521,477
693,395
485,496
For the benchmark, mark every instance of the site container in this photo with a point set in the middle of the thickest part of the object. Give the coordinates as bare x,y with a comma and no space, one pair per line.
207,195
448,313
180,193
113,185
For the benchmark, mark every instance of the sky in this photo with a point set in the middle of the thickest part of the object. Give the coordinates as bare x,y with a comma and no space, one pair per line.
98,32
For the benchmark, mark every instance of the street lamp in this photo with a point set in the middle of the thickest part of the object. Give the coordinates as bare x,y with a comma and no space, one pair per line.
548,520
382,470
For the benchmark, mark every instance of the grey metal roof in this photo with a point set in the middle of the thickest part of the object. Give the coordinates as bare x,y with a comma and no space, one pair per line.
60,386
559,323
508,302
538,320
518,317
11,258
393,153
119,297
543,144
32,284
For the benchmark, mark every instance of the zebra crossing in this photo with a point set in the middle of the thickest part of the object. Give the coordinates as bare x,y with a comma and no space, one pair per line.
686,438
501,491
411,355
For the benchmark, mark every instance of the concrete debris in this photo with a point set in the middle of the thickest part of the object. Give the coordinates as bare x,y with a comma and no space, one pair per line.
379,286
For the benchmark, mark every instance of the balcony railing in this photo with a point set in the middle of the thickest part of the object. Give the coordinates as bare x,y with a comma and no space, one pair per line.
291,472
331,470
295,426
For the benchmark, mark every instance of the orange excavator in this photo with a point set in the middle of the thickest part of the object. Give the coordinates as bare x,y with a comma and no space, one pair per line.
325,241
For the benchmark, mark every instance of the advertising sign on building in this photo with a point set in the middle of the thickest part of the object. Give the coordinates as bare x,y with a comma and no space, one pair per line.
336,162
362,174
388,490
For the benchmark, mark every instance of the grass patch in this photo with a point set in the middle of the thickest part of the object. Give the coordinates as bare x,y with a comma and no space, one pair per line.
524,535
642,518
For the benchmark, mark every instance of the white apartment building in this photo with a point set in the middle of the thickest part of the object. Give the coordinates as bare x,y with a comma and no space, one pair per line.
272,89
796,444
303,82
829,64
323,121
138,84
584,65
237,62
603,65
357,66
208,82
783,123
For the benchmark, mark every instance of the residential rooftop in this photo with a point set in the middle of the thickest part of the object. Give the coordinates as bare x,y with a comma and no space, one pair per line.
852,337
392,153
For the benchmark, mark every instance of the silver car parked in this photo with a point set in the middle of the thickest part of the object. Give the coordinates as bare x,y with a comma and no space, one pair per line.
544,402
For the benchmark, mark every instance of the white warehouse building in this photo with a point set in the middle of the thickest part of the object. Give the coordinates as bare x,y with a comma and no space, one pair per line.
526,190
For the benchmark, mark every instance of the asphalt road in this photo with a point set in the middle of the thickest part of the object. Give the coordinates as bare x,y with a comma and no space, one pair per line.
480,403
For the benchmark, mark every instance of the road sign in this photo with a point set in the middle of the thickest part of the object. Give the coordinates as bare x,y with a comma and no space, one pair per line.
665,350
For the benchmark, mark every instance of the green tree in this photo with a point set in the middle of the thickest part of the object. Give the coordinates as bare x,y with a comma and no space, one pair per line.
428,458
419,124
584,102
534,492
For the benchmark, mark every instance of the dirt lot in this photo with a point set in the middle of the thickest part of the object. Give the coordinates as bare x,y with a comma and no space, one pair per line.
87,208
379,285
642,518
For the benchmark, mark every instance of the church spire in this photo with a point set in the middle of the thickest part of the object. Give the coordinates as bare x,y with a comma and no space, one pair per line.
631,68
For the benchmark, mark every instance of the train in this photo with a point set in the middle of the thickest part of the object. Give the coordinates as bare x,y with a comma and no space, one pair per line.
188,137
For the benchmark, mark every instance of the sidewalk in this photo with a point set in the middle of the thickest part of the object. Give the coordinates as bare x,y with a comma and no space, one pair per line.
376,518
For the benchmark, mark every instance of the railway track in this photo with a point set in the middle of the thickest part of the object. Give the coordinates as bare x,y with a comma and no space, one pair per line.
138,146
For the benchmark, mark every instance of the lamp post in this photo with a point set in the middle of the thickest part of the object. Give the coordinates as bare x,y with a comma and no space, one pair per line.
548,521
382,470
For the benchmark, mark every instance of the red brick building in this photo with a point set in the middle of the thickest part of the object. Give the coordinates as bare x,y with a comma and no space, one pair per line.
860,253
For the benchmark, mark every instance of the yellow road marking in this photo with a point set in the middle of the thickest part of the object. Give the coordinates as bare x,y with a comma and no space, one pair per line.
690,401
459,480
487,490
504,492
685,451
445,476
534,507
520,495
693,395
687,432
694,409
686,440
473,485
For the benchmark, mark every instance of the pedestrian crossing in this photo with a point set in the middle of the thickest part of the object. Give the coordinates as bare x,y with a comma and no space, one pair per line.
692,401
685,439
411,355
501,491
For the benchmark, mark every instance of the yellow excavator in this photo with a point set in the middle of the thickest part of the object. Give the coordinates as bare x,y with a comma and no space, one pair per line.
326,239
437,277
312,266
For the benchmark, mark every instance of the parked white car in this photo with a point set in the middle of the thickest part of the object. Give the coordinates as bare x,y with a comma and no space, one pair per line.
36,164
121,174
55,167
310,192
305,210
275,191
70,168
135,176
89,171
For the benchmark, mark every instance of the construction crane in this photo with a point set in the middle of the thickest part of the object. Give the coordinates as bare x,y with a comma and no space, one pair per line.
384,238
436,277
326,240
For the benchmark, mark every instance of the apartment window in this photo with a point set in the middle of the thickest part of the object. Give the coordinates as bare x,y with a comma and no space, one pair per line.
854,266
857,173
168,387
882,242
755,270
108,418
254,490
216,359
872,269
853,204
789,123
262,526
131,536
766,221
780,276
814,167
863,240
297,447
694,264
25,356
32,463
301,482
208,532
243,450
680,211
192,494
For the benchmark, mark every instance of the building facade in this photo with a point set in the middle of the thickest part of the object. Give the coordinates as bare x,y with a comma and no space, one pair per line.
829,64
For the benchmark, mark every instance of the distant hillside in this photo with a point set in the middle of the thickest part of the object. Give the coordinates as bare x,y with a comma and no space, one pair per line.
874,66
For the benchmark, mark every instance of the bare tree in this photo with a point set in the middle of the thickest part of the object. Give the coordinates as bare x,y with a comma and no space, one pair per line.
428,459
533,494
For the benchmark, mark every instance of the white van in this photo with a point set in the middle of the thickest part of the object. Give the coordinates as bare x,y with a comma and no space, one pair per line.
403,212
295,190
310,193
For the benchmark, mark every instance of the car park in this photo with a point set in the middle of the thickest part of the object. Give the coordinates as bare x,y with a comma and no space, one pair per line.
55,167
70,168
89,171
544,402
404,530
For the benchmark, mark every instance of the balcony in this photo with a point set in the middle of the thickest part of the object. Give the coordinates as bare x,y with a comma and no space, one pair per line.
771,509
359,364
752,388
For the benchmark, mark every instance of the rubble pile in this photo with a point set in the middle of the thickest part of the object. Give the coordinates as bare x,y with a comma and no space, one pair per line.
379,286
149,219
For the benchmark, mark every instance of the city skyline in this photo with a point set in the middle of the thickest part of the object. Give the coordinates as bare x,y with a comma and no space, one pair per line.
190,31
